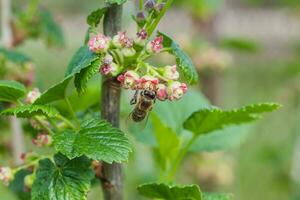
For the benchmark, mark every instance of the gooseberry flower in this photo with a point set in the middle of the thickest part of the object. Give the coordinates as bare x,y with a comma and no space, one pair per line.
129,79
6,175
108,59
121,40
140,18
155,45
148,82
141,37
159,7
170,72
110,69
33,95
99,43
42,140
149,5
176,90
162,92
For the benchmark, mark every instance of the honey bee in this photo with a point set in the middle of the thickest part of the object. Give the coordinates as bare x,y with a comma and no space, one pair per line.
144,101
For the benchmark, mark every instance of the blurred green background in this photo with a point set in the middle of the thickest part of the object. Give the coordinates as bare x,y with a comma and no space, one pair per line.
246,51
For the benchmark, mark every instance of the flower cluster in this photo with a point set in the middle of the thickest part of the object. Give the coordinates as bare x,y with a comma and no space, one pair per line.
166,85
42,140
124,58
6,175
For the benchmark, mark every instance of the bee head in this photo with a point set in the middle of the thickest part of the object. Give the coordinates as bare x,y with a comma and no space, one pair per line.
150,94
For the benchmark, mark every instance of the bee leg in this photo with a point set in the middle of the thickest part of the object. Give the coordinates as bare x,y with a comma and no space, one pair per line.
134,99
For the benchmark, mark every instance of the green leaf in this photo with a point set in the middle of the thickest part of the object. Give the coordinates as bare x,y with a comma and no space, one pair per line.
85,75
11,91
63,180
172,114
207,120
27,111
17,185
14,56
54,93
168,141
220,140
217,196
97,139
95,17
119,2
163,191
184,62
83,58
50,30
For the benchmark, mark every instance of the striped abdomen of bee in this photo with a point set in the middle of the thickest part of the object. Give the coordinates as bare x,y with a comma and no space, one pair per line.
143,106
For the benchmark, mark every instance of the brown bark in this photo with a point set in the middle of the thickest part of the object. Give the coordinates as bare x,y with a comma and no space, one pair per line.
112,176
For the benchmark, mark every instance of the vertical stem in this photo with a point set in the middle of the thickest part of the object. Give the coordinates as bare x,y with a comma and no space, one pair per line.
112,180
18,146
5,22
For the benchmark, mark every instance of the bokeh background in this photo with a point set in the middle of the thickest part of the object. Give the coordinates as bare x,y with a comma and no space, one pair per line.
246,51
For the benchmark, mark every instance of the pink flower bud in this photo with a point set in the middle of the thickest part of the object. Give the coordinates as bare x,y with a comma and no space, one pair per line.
99,43
155,45
121,40
176,90
33,95
129,79
170,72
148,82
6,175
108,59
141,37
42,140
109,69
162,92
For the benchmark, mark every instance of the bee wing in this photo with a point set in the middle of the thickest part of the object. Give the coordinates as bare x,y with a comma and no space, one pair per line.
139,126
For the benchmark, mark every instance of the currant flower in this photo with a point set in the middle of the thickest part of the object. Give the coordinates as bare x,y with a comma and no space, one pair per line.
6,175
149,5
155,45
121,40
170,72
42,140
99,43
176,90
129,79
33,95
162,92
141,37
148,82
108,59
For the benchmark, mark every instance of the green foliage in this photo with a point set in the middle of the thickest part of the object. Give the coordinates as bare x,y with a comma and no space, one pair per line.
82,59
95,17
96,139
220,140
119,2
14,56
163,191
217,196
50,30
54,93
168,141
183,61
85,74
11,91
63,180
17,185
28,111
207,120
